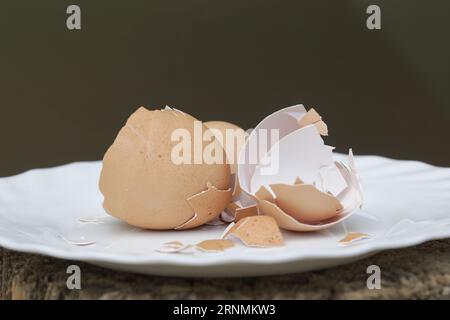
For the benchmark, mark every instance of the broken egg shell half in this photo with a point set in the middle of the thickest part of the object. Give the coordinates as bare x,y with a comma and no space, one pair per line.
350,201
141,184
330,191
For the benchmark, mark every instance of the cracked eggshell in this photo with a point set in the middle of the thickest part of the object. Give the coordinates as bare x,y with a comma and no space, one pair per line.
305,203
235,212
144,187
233,139
350,200
256,231
206,204
305,167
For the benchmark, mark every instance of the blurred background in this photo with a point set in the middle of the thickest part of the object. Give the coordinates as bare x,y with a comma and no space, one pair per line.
65,94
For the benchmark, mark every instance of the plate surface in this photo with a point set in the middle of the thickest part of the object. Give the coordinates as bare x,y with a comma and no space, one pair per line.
58,212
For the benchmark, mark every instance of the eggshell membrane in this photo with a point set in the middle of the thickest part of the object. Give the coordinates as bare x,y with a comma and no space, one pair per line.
174,243
353,176
351,198
241,135
305,203
257,231
286,120
140,183
300,154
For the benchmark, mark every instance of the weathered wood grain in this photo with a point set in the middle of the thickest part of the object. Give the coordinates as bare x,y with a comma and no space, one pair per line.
421,272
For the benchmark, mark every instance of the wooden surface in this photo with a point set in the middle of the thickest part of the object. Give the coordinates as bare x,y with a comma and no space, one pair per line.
422,272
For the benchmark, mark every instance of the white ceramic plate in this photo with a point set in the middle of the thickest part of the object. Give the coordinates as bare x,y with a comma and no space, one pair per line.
406,203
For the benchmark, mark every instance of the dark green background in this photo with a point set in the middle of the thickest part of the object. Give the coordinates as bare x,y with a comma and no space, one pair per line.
65,94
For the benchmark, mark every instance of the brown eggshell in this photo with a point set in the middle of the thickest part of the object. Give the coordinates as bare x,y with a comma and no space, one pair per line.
207,206
264,194
305,203
353,236
235,212
245,212
140,183
312,117
309,118
350,199
215,245
257,231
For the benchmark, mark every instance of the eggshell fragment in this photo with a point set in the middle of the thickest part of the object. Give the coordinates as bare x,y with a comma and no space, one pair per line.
309,118
298,181
312,117
80,243
173,247
350,199
264,194
145,188
245,212
231,208
305,203
354,176
257,231
228,228
322,128
234,212
207,206
353,236
216,245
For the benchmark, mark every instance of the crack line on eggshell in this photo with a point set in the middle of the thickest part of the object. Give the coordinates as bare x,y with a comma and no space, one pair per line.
209,187
227,230
185,223
233,233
